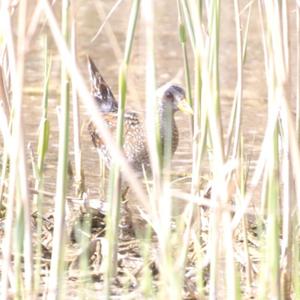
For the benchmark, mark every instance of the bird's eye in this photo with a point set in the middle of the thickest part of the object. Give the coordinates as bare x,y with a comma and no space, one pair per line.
169,95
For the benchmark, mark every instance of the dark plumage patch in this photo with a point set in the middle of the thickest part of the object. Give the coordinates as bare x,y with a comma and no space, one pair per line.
179,89
100,90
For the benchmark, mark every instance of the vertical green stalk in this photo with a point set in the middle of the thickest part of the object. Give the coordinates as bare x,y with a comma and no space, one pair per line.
5,161
18,172
84,266
211,96
160,155
3,93
188,22
220,220
296,242
18,248
5,116
233,285
237,109
57,259
22,177
200,107
146,280
277,71
271,263
288,219
115,178
182,39
39,172
296,261
200,125
199,130
236,112
193,21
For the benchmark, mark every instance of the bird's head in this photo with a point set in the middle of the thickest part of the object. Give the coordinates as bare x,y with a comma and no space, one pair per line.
173,96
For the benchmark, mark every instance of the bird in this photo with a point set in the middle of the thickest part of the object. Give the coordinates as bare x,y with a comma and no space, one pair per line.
171,98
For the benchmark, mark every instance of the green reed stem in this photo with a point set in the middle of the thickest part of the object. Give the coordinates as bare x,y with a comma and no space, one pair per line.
21,156
160,198
272,250
235,117
296,263
85,244
288,220
147,280
192,215
276,43
18,171
5,162
237,106
4,94
188,22
130,31
5,115
43,141
115,178
182,38
18,249
219,218
57,259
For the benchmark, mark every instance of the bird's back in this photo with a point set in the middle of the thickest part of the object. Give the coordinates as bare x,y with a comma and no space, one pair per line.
134,144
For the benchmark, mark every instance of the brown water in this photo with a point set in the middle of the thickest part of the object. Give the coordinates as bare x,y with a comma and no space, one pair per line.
107,50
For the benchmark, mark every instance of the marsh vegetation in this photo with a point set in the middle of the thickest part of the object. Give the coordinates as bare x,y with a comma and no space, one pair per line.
219,220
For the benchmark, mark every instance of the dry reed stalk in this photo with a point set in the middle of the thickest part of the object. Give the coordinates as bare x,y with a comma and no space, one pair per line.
79,174
18,171
55,283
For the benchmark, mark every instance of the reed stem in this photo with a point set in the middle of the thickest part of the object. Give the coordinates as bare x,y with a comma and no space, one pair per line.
115,177
57,259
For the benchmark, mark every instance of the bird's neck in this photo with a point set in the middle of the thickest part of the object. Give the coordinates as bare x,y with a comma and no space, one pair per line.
168,130
166,111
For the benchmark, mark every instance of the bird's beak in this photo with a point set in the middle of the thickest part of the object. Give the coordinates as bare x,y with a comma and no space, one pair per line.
185,107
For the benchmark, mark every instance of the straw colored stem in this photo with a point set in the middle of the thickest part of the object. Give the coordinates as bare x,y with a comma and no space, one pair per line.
115,178
79,175
237,109
4,96
298,71
42,149
57,259
17,156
